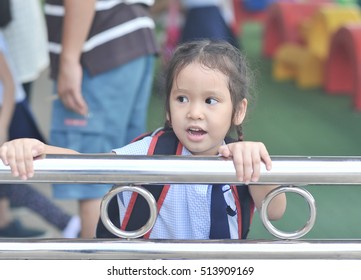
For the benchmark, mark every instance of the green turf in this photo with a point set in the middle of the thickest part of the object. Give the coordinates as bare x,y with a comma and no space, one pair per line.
291,121
295,121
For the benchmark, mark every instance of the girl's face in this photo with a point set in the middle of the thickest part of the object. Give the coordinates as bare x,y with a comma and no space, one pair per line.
201,109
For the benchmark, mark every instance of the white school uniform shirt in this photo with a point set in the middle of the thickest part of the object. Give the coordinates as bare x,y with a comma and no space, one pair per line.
185,213
19,91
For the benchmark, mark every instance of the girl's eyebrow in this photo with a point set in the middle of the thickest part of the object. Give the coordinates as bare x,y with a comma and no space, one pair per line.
213,92
180,90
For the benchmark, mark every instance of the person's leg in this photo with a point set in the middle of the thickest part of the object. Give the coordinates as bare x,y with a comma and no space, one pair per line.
23,195
5,213
10,227
123,89
86,135
23,124
27,88
88,196
89,210
126,118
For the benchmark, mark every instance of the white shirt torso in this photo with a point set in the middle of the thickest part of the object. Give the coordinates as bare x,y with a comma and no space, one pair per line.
185,213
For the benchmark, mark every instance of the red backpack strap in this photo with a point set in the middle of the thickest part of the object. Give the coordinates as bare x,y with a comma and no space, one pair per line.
164,142
245,209
155,132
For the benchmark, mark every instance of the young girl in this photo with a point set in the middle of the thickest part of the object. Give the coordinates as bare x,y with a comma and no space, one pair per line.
206,98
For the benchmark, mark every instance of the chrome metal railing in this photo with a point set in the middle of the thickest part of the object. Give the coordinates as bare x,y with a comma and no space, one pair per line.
289,171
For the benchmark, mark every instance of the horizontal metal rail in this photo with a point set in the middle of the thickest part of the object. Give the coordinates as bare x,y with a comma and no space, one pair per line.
161,249
174,169
134,170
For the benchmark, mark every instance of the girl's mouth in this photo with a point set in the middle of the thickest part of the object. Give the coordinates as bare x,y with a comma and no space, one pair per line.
196,131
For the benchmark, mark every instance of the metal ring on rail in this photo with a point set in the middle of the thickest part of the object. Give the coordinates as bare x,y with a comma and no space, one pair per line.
122,233
282,234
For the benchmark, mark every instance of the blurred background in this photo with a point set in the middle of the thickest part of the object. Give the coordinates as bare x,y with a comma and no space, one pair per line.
293,112
306,61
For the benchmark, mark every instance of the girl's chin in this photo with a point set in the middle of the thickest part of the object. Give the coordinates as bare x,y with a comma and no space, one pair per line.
199,151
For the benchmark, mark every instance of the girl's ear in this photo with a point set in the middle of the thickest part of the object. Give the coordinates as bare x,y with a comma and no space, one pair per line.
240,112
168,118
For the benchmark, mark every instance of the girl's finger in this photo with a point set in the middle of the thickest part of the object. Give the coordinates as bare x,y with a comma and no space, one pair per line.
256,164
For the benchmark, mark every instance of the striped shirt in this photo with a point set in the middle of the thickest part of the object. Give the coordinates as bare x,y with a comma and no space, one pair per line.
122,30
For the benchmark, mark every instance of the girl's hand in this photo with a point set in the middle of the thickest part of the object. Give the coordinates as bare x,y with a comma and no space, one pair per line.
19,154
247,158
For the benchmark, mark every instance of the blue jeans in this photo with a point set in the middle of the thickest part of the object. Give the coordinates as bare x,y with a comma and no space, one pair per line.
118,104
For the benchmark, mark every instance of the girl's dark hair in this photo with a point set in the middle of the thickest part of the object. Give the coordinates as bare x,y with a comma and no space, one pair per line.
218,55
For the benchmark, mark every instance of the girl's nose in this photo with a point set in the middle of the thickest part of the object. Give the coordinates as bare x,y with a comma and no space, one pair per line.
195,112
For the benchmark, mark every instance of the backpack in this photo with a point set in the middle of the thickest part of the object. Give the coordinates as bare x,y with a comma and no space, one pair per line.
165,142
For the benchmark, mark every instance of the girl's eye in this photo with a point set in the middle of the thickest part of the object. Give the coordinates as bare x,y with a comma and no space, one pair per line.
182,99
211,101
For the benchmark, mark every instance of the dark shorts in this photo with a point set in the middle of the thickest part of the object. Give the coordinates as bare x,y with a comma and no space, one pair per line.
23,124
